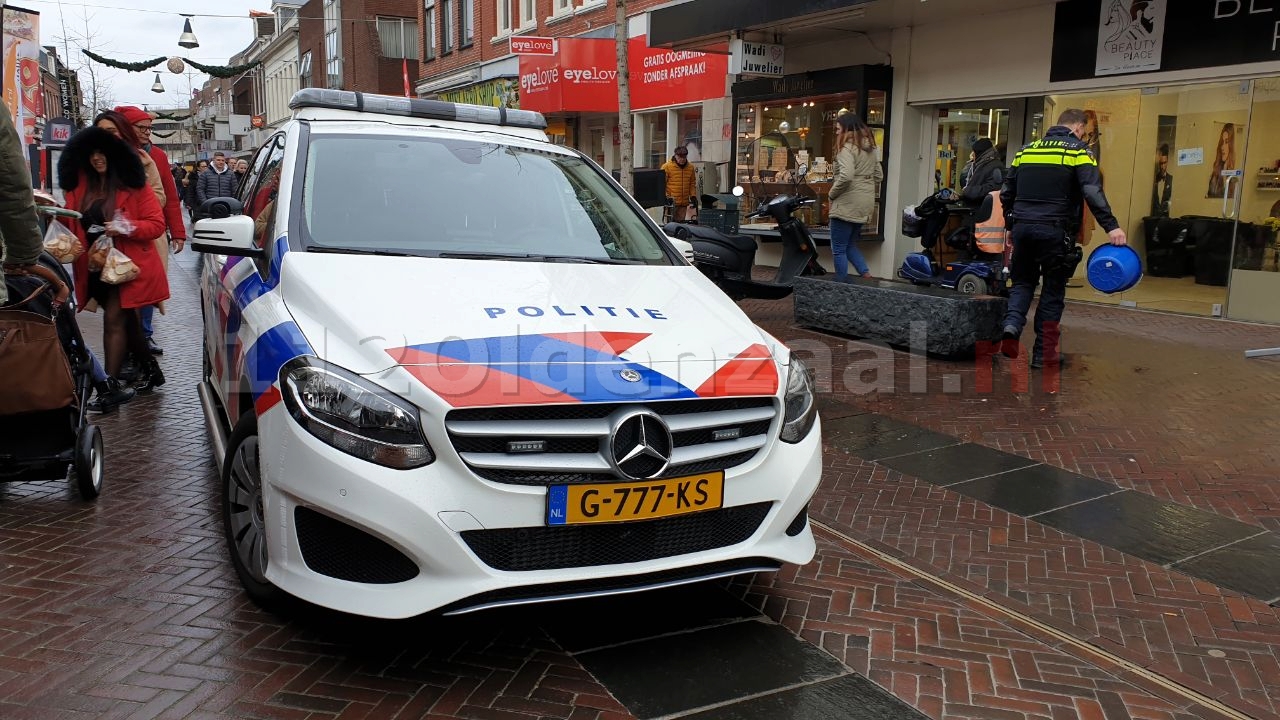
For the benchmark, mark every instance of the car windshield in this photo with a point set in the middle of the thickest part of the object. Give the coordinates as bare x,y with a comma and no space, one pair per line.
448,197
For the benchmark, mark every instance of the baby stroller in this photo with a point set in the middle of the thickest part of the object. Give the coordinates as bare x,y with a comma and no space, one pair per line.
44,429
977,270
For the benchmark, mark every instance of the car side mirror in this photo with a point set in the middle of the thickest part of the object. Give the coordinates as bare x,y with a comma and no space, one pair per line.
225,236
220,207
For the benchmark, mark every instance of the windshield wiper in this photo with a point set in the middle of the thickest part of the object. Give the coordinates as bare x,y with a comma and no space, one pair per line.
530,257
359,251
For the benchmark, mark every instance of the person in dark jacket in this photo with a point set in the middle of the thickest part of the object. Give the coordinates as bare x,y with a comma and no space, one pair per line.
217,181
986,174
20,239
1049,182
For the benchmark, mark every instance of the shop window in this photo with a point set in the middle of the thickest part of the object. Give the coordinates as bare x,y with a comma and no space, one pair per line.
958,129
651,139
789,143
399,37
689,132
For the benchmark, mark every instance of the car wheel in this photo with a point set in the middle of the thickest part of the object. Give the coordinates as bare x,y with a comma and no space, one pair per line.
971,284
243,517
88,467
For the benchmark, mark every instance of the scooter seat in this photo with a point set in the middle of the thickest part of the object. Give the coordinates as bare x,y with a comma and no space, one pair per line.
684,231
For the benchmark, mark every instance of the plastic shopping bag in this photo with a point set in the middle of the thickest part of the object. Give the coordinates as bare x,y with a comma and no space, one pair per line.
61,243
98,252
120,224
118,268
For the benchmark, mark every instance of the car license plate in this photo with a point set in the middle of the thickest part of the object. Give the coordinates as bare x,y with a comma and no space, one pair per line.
639,500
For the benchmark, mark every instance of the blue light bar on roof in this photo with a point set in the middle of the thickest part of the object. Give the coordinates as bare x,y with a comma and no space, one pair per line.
414,107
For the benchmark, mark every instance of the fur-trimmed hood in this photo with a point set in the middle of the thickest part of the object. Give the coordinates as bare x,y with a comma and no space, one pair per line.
122,160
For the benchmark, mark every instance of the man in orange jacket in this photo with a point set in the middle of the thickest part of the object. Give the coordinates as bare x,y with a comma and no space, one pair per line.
682,184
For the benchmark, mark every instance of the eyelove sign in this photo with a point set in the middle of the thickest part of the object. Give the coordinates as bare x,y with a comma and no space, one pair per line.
582,77
530,45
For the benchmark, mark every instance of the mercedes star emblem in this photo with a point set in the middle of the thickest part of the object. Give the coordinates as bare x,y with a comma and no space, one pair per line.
631,376
640,446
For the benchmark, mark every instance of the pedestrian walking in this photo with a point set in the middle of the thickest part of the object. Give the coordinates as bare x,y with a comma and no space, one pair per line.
189,187
853,193
1043,197
218,181
102,176
175,237
682,185
20,240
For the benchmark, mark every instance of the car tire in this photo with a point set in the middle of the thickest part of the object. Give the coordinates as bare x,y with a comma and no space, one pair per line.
88,467
243,517
970,284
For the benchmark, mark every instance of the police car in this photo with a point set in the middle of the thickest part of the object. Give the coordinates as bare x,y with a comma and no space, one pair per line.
450,365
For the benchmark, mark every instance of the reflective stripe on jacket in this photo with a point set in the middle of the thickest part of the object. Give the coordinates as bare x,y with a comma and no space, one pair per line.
1051,179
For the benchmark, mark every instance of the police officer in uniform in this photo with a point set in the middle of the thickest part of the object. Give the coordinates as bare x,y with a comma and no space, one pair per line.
1043,198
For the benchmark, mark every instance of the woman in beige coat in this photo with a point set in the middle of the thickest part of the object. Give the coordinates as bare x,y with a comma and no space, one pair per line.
853,193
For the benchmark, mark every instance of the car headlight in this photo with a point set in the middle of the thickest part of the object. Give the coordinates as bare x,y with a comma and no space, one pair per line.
349,413
800,407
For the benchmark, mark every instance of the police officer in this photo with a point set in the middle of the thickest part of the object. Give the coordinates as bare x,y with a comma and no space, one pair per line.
1043,199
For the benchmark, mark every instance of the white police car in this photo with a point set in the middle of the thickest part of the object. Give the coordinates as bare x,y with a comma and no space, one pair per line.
450,365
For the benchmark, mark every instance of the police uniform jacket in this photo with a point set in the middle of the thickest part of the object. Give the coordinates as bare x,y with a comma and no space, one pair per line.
1049,181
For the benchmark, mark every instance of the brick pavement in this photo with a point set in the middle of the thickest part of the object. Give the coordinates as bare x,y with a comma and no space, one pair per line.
1126,411
129,608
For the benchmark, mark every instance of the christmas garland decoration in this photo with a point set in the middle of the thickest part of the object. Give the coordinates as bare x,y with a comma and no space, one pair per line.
163,135
167,116
223,71
131,67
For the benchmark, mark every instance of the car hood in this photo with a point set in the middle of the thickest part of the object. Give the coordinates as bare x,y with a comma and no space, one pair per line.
486,332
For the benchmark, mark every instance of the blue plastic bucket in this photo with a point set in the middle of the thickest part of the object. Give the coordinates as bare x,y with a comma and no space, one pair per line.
1114,268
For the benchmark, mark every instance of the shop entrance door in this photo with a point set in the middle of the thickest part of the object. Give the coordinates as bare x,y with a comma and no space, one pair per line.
1005,122
1255,279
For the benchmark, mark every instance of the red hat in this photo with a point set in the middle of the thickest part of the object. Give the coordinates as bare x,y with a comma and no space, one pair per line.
133,114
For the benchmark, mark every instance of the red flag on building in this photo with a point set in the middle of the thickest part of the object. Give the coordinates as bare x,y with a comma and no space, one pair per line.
404,63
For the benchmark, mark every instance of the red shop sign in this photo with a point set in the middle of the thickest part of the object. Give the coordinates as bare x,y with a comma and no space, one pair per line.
581,77
673,77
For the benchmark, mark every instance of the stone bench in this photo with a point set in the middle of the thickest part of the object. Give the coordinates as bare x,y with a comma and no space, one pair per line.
884,310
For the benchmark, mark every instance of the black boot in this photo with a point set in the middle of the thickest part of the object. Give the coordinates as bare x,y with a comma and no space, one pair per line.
110,394
151,377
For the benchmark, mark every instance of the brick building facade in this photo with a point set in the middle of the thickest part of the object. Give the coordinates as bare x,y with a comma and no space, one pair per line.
360,61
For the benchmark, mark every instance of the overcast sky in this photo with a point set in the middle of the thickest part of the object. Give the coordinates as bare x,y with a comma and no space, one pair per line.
135,30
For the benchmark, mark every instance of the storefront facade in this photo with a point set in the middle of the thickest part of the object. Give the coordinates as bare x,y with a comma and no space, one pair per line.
1184,101
576,88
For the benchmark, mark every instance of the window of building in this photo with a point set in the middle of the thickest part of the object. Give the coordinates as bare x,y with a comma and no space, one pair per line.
447,20
562,7
333,43
284,15
527,10
468,22
504,17
399,37
429,31
304,70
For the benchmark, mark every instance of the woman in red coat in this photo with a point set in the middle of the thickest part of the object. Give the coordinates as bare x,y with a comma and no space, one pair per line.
101,175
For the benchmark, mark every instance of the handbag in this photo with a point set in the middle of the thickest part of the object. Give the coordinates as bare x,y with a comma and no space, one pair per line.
32,360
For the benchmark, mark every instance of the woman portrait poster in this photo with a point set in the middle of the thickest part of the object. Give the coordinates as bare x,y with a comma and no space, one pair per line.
1224,158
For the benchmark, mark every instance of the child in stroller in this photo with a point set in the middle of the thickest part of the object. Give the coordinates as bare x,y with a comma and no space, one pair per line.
44,428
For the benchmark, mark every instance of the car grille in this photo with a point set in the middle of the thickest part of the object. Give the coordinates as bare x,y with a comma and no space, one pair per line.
576,438
571,546
333,548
